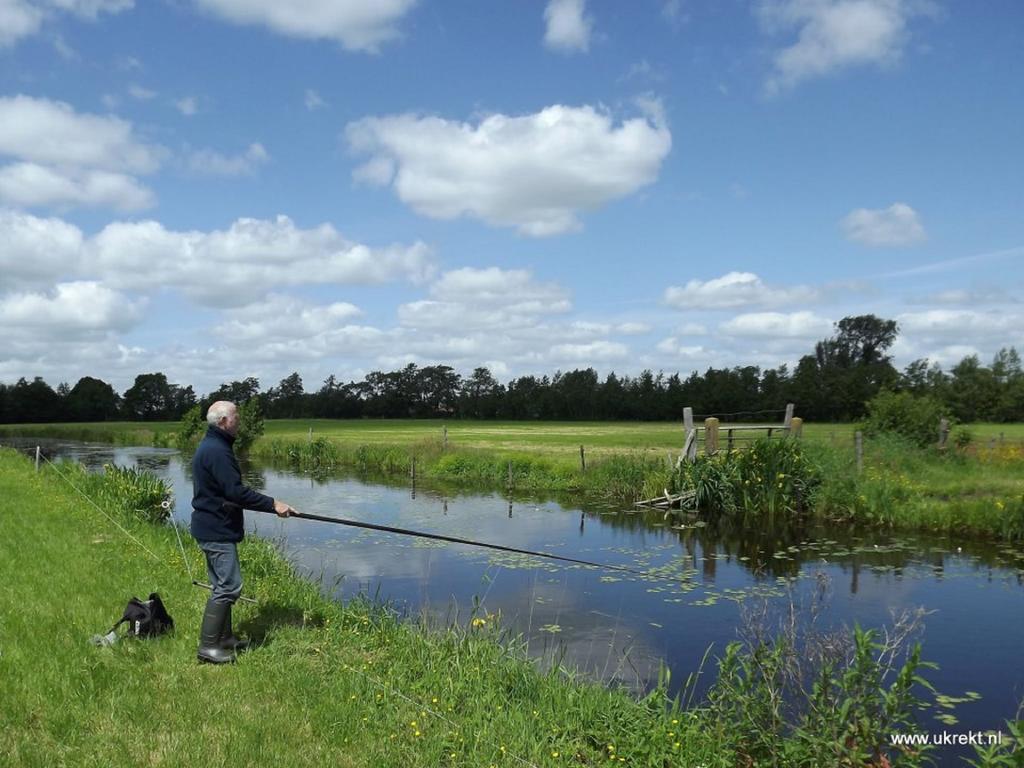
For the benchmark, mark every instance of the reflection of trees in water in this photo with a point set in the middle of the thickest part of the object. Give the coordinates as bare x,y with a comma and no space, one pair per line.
781,547
156,463
254,476
760,546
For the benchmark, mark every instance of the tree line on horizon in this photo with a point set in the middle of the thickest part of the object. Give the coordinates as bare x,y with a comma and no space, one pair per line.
831,384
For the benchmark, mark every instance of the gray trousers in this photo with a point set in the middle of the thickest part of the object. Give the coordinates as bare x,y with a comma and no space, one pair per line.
224,570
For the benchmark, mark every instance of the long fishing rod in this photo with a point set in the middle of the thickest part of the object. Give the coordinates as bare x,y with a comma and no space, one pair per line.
472,543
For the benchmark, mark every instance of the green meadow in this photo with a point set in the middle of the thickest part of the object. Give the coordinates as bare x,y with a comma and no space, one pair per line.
559,438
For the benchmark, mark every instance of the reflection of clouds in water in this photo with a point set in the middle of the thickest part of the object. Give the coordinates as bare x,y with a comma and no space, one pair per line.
364,560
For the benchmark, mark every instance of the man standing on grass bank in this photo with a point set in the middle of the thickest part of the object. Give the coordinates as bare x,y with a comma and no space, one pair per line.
219,496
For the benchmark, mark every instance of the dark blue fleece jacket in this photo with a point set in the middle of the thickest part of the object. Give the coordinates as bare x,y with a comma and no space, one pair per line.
219,496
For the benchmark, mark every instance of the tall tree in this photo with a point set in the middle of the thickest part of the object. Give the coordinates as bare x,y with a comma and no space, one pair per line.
149,398
286,400
853,365
92,400
33,402
479,395
237,392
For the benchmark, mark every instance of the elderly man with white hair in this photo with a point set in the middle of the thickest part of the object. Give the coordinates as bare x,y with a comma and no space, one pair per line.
219,496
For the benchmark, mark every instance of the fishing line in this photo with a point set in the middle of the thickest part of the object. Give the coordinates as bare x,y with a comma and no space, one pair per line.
104,513
472,543
165,505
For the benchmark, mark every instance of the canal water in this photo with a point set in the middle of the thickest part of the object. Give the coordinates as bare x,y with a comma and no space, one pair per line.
706,583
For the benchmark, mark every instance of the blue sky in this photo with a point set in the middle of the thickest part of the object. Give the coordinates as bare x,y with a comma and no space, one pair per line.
227,188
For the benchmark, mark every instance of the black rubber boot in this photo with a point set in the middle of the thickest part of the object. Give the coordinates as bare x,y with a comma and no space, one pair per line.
210,649
228,641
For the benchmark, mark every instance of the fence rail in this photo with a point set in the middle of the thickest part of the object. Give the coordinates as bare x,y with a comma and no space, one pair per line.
710,435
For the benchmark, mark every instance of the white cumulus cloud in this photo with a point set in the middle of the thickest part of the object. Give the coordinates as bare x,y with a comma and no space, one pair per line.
32,185
672,347
897,225
21,18
34,249
592,352
471,298
66,158
71,309
534,172
242,263
280,317
51,132
965,324
359,25
567,26
835,34
735,289
795,325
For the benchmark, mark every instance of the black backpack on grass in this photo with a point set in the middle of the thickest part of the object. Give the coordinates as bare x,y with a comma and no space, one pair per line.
146,618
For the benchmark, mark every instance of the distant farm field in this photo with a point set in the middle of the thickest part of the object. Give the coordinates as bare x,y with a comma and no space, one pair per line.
553,438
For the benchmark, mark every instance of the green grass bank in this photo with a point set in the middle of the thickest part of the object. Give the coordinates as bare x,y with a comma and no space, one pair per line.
330,684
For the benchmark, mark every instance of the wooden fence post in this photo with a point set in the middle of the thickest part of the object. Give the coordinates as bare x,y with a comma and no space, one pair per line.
446,437
943,433
789,415
412,469
310,434
583,460
710,436
510,476
796,427
728,434
689,443
858,439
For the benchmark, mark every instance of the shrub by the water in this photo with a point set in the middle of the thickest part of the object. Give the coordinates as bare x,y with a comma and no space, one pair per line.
773,476
913,417
712,479
131,492
843,715
250,424
191,429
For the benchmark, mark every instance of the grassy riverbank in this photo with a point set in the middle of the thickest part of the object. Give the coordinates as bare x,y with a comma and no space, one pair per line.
330,684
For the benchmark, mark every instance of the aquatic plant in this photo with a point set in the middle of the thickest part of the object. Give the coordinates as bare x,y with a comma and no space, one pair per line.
770,478
130,492
791,694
